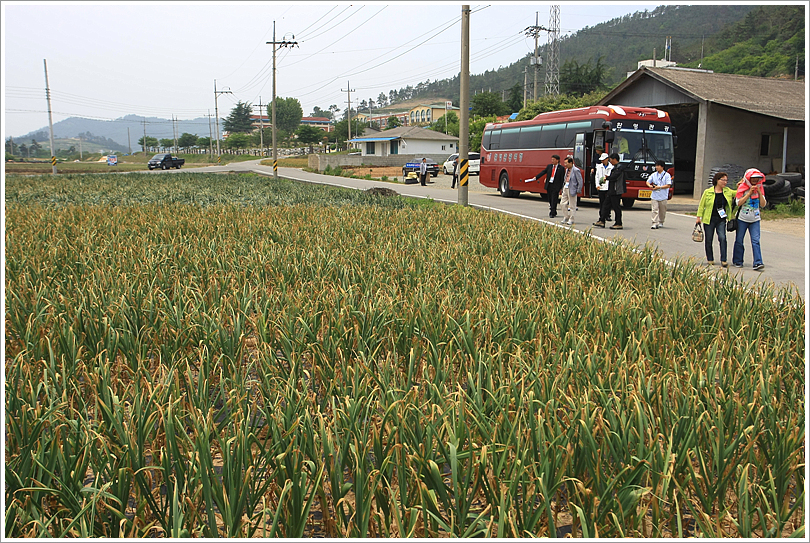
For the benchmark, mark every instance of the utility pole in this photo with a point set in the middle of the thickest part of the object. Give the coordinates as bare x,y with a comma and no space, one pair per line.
464,104
525,82
81,153
349,90
210,136
536,62
144,136
129,142
50,117
174,132
216,113
282,43
261,126
553,51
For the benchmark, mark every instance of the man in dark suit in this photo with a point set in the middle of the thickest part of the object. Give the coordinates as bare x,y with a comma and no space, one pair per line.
617,185
555,176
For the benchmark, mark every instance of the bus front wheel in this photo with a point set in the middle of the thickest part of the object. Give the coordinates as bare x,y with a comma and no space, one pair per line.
627,203
503,186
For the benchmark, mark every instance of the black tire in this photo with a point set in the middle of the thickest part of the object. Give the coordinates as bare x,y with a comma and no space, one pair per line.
627,203
503,186
799,192
150,167
790,175
795,179
771,180
435,174
777,185
178,166
163,167
781,200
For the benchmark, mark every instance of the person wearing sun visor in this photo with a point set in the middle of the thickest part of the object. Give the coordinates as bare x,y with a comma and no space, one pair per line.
751,199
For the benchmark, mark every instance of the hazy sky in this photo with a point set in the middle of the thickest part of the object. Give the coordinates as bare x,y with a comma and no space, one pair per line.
110,59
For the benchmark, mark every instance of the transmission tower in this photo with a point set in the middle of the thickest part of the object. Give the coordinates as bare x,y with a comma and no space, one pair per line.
553,52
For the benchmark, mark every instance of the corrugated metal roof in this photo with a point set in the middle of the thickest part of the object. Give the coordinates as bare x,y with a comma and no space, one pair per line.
779,98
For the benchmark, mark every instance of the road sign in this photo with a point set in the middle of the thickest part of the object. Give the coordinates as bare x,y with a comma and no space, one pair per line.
112,160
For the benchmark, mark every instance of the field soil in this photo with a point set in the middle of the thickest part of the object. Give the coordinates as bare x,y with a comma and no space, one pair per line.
793,227
378,171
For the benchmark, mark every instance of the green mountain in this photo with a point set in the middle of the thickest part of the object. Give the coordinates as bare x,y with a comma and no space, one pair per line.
745,39
768,42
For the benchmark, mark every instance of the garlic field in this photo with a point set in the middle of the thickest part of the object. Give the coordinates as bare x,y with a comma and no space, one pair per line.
204,355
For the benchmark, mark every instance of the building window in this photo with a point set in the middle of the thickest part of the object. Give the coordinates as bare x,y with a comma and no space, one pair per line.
443,147
765,145
370,148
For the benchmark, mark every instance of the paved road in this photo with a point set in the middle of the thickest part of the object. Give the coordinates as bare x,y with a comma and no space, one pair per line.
784,254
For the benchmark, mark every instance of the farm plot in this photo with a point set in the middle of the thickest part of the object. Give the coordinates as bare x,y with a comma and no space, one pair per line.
228,356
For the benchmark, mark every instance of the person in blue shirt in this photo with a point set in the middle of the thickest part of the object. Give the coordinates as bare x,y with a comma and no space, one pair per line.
660,181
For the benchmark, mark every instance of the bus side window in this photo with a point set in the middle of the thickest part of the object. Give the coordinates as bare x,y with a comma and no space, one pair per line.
529,137
552,136
495,140
486,138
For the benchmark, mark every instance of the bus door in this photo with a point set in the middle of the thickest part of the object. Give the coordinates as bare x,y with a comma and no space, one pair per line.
580,161
597,139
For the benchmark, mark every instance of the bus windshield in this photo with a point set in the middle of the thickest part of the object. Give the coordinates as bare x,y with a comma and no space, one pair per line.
644,146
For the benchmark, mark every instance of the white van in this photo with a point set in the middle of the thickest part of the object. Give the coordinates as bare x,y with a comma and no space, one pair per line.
474,161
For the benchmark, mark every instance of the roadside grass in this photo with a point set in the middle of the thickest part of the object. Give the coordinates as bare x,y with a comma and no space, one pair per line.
203,355
791,210
290,162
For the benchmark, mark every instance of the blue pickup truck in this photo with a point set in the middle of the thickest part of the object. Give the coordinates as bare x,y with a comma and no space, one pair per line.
432,167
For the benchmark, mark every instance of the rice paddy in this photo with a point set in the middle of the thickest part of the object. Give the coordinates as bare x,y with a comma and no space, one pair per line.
202,355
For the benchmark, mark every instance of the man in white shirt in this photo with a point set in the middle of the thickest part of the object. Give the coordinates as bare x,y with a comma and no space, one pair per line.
660,181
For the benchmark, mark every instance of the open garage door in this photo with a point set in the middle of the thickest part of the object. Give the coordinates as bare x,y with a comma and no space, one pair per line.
684,118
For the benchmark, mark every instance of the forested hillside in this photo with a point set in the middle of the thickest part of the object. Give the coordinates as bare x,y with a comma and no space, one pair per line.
768,42
745,39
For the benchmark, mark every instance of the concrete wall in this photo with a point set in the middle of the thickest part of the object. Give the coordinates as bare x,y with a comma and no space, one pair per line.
734,136
319,162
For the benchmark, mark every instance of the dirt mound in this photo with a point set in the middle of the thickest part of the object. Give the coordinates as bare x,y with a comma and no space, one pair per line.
382,191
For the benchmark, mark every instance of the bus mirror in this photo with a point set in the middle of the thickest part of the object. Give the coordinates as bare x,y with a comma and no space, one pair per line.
674,141
609,136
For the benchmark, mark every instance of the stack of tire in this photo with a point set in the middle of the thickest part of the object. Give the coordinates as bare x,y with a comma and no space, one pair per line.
735,173
780,188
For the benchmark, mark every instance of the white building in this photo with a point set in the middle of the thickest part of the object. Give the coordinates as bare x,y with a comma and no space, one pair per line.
411,140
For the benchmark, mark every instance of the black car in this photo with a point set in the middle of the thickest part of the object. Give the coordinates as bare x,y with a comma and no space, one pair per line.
432,167
164,161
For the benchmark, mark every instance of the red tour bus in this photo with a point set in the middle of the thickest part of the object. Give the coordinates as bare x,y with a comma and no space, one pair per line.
516,151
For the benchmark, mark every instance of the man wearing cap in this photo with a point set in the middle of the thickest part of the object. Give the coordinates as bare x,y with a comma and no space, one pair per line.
660,182
602,171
